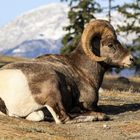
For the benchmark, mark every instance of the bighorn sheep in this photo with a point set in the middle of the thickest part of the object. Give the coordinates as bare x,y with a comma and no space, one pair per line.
63,82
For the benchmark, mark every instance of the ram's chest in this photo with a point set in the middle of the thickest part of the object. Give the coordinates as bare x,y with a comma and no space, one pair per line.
15,93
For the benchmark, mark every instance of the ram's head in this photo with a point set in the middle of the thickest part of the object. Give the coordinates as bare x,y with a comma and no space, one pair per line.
99,42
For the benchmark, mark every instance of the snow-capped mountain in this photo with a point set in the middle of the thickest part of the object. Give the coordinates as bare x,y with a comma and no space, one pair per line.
34,48
35,32
40,31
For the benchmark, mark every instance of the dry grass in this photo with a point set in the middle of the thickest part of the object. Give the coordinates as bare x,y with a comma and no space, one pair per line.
112,83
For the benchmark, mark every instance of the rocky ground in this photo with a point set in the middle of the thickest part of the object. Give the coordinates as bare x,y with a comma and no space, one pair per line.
120,100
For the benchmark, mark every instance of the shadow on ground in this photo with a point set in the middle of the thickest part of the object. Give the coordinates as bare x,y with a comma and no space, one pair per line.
117,109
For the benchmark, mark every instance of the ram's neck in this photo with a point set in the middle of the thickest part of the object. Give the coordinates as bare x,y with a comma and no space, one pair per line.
93,70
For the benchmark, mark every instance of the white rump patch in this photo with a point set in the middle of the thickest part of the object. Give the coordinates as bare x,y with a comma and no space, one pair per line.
15,92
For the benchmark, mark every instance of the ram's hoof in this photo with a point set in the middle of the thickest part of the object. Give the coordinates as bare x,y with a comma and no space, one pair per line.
97,116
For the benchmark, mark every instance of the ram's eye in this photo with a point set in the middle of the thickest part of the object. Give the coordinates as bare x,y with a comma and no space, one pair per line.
110,45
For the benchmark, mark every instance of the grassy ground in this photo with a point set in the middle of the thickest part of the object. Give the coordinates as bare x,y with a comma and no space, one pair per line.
120,101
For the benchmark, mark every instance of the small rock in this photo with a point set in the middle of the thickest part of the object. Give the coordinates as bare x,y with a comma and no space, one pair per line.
106,126
101,90
124,80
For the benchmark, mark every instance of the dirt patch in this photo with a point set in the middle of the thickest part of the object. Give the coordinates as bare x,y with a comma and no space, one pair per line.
122,105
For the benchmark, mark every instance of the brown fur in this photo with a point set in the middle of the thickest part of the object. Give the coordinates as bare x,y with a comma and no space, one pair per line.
68,81
2,106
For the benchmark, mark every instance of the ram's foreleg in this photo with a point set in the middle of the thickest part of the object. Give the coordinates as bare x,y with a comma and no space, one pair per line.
89,117
58,114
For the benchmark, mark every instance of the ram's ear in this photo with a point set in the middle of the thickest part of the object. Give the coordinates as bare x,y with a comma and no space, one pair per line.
96,45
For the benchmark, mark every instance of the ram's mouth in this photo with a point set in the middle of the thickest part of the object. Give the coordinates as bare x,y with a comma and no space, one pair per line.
128,61
127,65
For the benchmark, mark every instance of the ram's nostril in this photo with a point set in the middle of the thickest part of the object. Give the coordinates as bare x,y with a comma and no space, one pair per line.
132,59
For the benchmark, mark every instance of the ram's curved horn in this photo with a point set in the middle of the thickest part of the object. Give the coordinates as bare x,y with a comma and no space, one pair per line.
100,28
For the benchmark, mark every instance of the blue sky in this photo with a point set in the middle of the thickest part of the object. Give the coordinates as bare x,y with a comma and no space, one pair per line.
9,9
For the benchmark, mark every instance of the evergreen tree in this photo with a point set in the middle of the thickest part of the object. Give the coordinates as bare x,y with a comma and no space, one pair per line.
81,12
131,12
111,7
109,10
